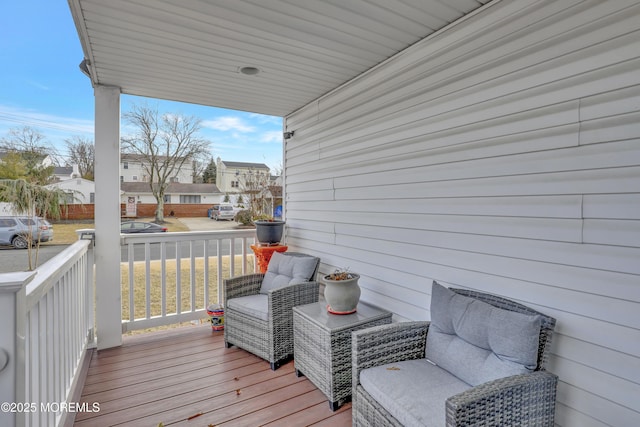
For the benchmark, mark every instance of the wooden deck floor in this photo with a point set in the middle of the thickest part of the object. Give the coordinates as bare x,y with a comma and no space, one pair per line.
185,377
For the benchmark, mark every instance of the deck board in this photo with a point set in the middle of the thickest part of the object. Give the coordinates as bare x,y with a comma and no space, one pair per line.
186,377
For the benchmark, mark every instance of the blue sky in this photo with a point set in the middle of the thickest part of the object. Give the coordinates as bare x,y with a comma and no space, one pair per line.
42,87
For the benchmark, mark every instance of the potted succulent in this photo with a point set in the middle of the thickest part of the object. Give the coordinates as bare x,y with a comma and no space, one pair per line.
341,291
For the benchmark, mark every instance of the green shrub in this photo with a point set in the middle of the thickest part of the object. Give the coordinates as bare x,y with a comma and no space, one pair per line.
244,217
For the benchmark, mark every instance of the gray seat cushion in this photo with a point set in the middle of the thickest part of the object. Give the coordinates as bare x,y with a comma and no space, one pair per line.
286,270
478,342
252,305
413,391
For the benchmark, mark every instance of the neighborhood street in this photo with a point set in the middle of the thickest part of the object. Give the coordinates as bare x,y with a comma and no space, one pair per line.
16,259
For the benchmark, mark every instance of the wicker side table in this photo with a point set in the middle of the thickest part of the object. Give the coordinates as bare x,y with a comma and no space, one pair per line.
322,346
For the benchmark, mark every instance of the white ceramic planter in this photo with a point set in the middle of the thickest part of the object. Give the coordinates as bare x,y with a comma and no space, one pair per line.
342,295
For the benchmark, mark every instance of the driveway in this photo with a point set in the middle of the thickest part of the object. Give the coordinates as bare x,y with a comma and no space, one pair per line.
207,224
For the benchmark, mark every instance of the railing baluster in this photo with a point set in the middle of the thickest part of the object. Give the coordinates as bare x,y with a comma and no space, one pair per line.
147,279
232,257
192,274
205,279
54,379
219,275
131,281
163,279
244,255
178,278
56,338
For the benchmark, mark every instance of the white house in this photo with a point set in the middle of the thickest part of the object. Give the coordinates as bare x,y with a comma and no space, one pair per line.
177,192
232,177
491,145
238,180
80,190
132,170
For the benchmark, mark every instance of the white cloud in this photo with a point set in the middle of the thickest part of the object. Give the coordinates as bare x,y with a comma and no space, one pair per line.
266,120
273,136
37,85
11,117
227,123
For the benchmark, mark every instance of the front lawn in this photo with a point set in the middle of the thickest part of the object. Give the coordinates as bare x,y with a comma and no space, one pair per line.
64,232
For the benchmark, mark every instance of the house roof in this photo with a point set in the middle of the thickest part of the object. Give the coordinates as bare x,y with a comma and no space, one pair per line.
174,188
196,52
73,181
63,170
245,165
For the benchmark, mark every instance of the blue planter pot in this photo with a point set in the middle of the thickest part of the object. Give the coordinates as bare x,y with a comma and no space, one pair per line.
269,232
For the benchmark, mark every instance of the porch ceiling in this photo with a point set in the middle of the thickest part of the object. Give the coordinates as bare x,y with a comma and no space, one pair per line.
192,51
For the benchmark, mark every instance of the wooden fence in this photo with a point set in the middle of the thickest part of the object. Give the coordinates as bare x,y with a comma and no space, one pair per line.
143,210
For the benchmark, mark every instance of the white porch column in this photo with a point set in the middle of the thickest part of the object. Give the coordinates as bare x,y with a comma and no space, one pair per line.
107,217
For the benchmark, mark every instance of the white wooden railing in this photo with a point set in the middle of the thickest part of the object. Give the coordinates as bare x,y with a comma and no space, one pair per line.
47,326
162,269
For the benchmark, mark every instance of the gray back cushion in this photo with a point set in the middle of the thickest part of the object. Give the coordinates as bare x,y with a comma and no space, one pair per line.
478,342
286,270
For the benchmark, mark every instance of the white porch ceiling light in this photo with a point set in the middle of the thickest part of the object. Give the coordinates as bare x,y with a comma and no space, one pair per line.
249,71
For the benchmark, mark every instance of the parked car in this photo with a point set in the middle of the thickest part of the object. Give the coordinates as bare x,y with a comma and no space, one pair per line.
141,227
15,230
219,212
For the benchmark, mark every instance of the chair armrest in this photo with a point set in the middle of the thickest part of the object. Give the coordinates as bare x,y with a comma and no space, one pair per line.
282,300
390,343
526,399
241,286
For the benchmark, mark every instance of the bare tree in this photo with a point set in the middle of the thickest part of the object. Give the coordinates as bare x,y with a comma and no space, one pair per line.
25,139
81,152
255,184
164,143
34,150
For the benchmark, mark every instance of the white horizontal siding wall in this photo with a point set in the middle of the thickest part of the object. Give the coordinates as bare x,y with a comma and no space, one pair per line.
502,154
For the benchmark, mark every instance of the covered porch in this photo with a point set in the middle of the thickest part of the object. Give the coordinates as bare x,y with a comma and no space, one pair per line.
487,145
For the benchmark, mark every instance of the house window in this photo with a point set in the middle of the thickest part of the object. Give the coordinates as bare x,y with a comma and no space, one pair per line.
235,184
121,178
92,197
167,198
125,165
174,179
189,198
134,178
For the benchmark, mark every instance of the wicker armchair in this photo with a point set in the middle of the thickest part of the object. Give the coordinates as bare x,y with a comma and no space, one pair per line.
523,400
270,339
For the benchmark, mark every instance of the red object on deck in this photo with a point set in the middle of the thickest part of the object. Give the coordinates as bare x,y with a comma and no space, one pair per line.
264,253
